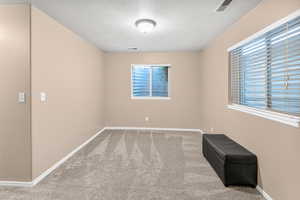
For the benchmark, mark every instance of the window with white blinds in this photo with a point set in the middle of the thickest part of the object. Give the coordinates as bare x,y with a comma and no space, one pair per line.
265,72
150,81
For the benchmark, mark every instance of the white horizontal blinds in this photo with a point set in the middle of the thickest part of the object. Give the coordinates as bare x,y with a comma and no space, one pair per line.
248,74
160,81
285,67
254,67
141,81
235,76
150,81
265,72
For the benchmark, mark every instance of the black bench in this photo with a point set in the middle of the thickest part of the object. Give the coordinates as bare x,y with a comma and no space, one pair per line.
234,164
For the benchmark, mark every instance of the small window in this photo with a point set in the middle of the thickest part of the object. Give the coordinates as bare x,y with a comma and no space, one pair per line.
150,81
265,71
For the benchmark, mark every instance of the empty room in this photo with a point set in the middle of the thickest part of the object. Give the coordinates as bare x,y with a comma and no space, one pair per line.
149,99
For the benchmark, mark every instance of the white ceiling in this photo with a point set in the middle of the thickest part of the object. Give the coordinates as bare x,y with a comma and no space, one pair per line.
181,24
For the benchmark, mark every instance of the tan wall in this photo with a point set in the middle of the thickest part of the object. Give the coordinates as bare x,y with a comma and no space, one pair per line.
15,147
276,145
69,70
179,112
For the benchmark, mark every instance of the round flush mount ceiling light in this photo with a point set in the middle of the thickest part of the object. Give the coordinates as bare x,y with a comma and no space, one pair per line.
145,25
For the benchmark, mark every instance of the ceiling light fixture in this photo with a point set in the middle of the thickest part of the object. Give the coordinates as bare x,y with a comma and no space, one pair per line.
145,25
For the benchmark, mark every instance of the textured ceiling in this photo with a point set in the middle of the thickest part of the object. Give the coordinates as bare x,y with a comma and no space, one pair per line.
181,24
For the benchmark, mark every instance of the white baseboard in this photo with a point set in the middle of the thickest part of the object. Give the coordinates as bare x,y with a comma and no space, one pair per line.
51,169
259,189
56,165
149,128
16,183
263,193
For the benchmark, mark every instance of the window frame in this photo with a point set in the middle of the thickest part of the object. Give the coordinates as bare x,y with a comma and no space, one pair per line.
270,114
151,97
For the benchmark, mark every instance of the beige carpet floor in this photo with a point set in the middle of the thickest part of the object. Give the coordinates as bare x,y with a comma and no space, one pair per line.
135,165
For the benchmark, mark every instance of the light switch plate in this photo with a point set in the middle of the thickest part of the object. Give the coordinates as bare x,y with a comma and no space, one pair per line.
43,97
21,97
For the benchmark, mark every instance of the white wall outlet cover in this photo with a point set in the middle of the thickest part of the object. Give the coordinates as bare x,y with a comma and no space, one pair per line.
21,97
43,97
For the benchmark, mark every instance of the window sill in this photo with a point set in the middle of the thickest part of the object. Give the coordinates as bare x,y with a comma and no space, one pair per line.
152,98
279,117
